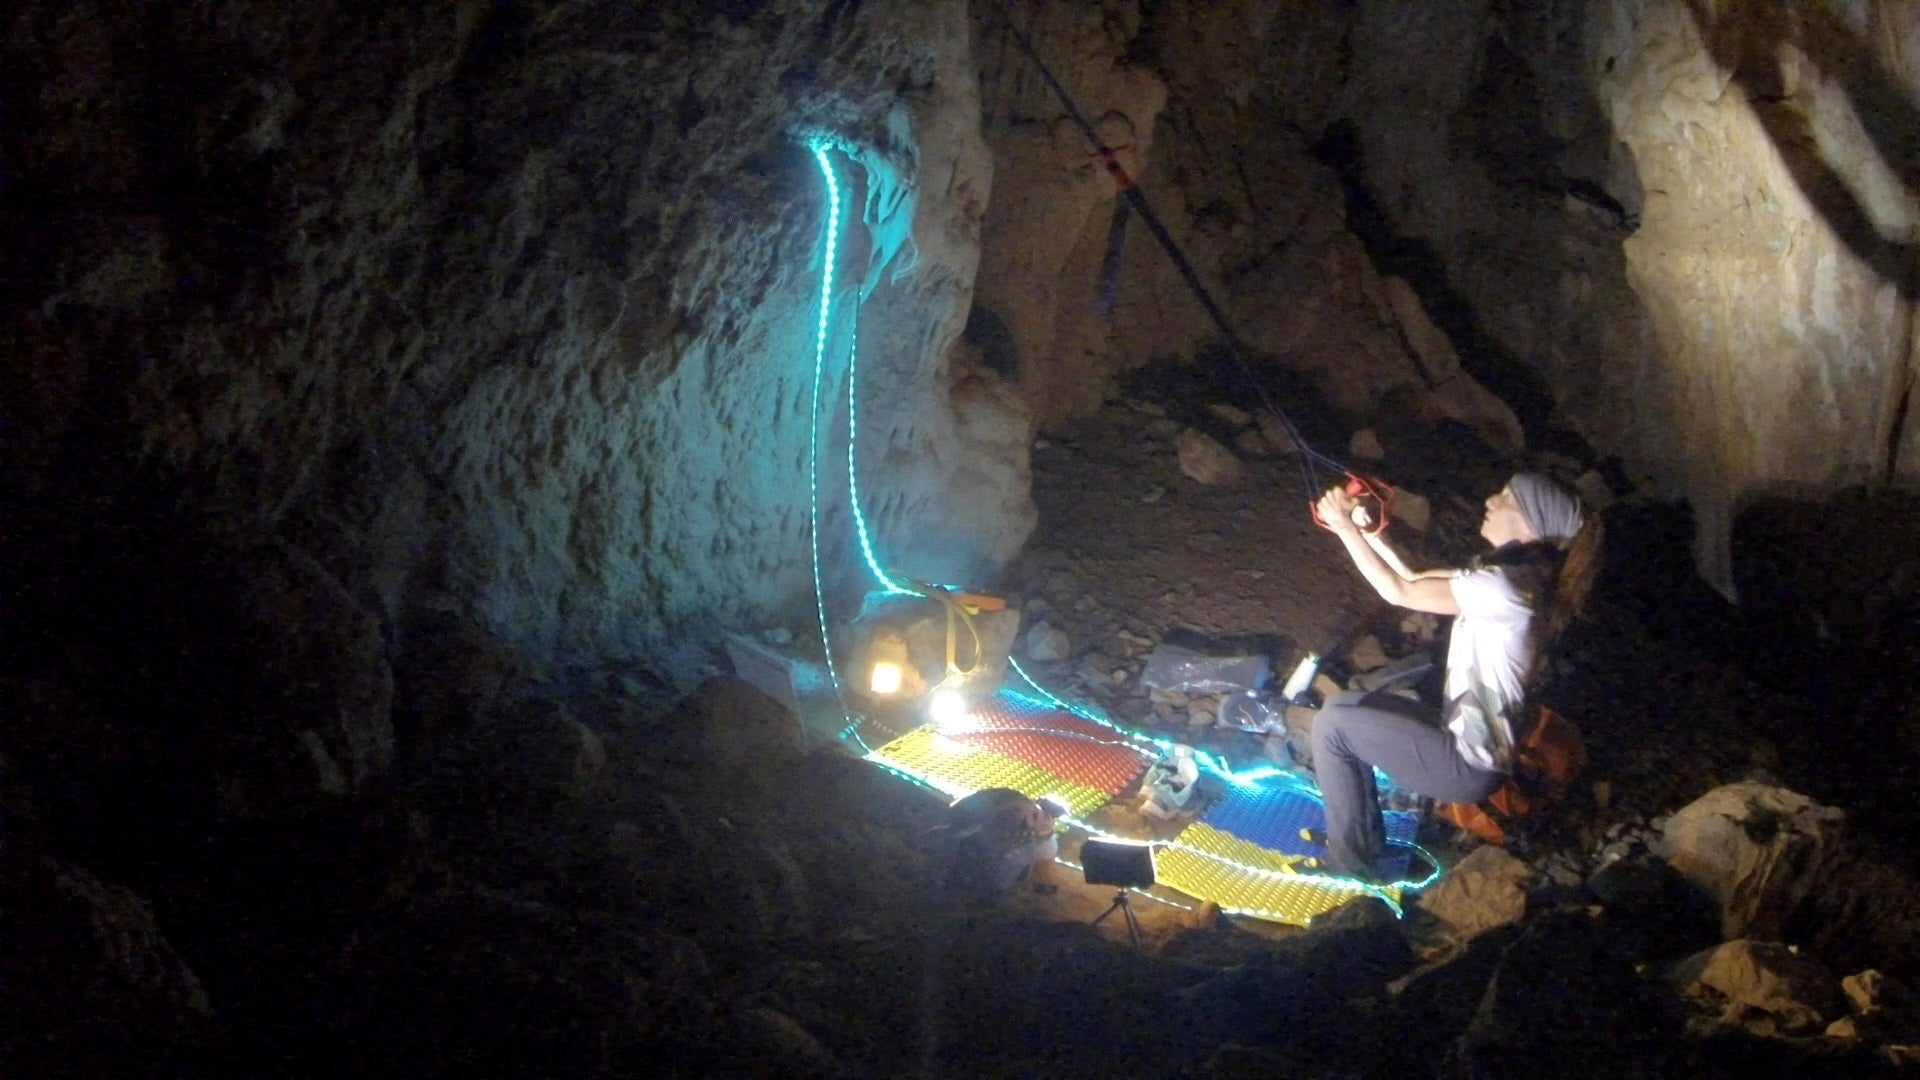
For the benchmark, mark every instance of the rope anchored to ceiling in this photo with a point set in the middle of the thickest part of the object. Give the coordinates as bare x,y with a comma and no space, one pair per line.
1308,458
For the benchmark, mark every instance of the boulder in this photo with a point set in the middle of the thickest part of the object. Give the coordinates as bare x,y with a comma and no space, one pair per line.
1203,459
1412,509
88,984
1366,654
927,644
1233,416
545,749
1250,443
1793,994
1869,990
933,638
1419,627
1047,642
1487,889
1757,850
727,725
1274,432
1881,1008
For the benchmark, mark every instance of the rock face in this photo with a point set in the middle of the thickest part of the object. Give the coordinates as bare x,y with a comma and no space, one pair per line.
1488,889
370,366
91,985
1774,255
1681,230
1212,108
1692,222
520,318
334,687
1757,850
1795,995
1206,461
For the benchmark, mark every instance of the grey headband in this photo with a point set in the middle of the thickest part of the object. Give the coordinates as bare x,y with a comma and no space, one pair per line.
1549,510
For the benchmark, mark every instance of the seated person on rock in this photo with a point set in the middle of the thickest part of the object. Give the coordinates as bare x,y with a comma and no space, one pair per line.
999,837
1509,603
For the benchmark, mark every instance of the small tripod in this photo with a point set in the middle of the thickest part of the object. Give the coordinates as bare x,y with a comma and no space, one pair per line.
1123,904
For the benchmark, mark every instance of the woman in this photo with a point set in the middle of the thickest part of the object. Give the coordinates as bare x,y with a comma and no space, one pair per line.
1509,604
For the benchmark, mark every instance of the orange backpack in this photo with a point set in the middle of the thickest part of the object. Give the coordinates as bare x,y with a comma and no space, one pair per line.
1547,759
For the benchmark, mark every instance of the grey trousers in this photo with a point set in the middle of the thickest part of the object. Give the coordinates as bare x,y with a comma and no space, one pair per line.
1356,731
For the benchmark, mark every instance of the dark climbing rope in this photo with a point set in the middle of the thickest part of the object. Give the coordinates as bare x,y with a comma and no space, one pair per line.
1130,191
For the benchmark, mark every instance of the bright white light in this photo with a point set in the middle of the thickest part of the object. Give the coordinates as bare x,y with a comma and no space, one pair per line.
887,677
947,706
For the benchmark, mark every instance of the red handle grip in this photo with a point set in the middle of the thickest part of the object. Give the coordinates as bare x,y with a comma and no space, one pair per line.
1375,496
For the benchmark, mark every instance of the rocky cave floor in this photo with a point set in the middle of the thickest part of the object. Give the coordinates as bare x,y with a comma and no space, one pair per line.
601,884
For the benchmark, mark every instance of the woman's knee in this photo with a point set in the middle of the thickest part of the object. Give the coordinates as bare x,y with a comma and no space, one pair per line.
1327,724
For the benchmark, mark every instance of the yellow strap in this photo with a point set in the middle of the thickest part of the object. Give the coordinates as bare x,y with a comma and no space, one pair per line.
958,613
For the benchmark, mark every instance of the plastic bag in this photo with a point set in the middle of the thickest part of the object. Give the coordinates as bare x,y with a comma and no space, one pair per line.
1170,783
1172,667
1258,713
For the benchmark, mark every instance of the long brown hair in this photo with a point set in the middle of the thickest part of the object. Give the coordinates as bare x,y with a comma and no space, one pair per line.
1555,578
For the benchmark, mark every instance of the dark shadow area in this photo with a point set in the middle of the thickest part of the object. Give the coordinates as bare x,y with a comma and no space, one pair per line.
987,332
1831,589
1650,572
1655,674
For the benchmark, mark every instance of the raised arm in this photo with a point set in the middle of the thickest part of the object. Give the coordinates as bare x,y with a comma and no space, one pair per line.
1431,591
1392,558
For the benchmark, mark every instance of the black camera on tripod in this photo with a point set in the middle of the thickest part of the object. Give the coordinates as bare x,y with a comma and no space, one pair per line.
1125,865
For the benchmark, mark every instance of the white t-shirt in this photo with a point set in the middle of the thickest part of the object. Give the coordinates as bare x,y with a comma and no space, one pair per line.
1487,663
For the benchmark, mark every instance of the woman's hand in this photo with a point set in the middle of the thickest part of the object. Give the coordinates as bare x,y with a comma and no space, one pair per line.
1336,508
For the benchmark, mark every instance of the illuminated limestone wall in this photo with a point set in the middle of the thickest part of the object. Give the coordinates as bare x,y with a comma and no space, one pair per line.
1678,231
1775,256
508,312
1694,221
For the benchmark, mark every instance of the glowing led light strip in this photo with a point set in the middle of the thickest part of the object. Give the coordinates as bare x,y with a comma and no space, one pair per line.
1249,778
1206,760
1330,882
1209,762
853,472
819,374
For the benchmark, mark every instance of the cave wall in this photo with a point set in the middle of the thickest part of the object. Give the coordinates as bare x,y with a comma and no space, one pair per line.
1691,221
1776,258
508,311
1672,236
1219,111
